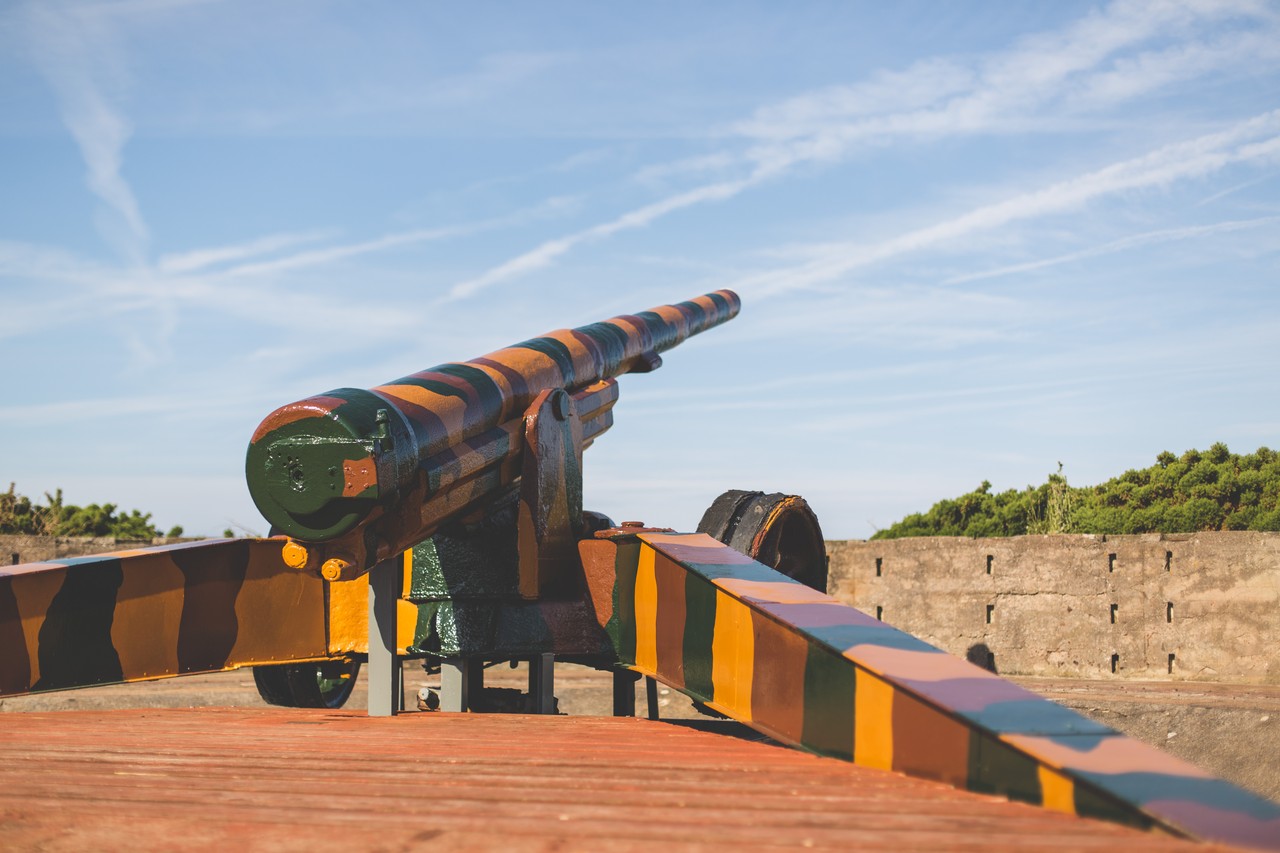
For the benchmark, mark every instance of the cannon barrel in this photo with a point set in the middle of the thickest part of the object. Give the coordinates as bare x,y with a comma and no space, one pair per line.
326,466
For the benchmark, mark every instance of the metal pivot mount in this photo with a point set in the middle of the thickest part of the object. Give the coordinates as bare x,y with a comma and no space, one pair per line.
548,526
550,511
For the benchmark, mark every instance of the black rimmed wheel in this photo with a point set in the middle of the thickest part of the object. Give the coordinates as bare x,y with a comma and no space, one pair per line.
775,529
318,684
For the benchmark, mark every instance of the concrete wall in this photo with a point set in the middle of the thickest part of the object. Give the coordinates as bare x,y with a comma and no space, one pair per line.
1202,606
37,549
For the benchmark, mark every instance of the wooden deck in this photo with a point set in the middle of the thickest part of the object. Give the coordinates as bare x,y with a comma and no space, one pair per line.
273,779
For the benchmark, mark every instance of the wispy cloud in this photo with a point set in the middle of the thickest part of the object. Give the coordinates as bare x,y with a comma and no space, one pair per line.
1037,85
1091,65
1254,140
1235,189
1133,241
330,254
145,305
1084,65
74,48
199,259
549,251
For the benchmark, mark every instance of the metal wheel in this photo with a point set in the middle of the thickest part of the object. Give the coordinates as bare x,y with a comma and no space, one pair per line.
319,684
777,530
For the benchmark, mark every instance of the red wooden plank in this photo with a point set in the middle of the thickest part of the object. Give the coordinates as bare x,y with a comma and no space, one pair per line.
322,780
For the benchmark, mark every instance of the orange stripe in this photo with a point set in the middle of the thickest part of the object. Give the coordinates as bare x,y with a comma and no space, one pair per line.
1057,792
872,721
148,614
732,657
646,612
34,593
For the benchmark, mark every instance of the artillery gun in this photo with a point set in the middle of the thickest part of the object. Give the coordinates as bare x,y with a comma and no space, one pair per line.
473,472
440,517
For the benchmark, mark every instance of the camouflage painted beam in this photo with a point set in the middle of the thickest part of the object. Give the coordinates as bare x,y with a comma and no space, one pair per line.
216,605
357,476
155,612
807,670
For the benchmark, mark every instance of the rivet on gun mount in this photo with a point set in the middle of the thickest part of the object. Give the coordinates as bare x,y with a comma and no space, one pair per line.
356,476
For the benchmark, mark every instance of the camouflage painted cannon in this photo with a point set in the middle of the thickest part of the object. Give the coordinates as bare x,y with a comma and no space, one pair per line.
356,476
451,500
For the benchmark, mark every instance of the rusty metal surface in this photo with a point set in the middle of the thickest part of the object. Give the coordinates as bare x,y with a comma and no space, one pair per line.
324,780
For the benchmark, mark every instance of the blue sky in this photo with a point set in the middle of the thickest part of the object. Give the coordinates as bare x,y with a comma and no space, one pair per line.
972,240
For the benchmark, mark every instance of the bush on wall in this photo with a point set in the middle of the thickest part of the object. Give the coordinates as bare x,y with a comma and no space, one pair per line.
1213,490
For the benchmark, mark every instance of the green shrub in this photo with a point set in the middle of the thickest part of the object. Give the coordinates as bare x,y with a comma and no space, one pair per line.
18,514
1213,490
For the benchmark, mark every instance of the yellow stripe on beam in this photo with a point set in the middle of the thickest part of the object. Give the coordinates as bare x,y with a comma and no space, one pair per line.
646,612
872,721
732,657
1058,792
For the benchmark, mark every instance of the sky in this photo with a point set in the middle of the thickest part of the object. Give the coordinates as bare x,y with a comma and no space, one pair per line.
972,240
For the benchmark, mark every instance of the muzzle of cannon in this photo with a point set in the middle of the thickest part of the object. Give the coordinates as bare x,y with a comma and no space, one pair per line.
355,476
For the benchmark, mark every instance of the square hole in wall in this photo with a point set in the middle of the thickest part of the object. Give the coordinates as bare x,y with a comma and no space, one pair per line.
879,566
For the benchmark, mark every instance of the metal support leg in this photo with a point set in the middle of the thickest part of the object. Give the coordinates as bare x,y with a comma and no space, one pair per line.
384,676
475,682
651,693
461,680
542,692
624,692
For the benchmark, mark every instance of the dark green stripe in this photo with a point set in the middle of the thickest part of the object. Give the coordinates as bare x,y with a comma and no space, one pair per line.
997,768
482,383
612,342
699,629
662,332
828,704
622,625
75,647
722,304
1090,803
557,352
211,582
